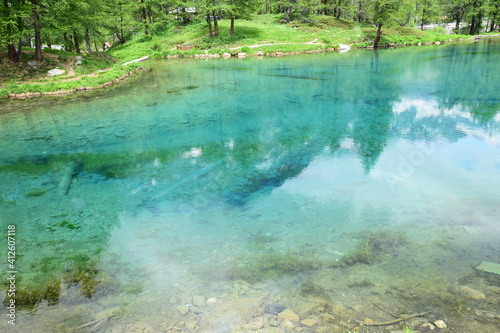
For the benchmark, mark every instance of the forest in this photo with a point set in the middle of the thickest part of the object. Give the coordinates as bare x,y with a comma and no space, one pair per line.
85,25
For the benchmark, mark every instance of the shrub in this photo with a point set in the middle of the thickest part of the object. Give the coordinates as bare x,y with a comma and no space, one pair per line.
437,30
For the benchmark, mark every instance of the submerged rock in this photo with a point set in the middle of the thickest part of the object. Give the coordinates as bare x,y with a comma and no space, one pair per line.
440,324
472,293
274,308
290,315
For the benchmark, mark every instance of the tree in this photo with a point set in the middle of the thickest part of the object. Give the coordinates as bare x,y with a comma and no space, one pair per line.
427,11
388,13
211,9
11,26
237,9
35,9
493,14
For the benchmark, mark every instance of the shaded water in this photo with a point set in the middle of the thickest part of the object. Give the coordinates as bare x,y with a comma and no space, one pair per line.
208,195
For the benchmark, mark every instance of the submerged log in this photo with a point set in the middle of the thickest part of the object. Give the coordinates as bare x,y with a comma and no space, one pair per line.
395,321
68,174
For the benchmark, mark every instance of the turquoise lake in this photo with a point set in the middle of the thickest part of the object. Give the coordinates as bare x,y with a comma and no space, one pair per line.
210,195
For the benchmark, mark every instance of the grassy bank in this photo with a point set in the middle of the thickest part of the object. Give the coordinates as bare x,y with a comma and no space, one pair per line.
262,34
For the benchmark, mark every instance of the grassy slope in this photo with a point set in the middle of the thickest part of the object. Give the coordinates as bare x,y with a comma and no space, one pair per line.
325,31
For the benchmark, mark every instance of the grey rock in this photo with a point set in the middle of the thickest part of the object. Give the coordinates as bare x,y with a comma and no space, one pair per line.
55,71
274,308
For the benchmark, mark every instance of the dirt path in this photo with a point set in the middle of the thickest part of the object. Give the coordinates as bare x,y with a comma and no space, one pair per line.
269,44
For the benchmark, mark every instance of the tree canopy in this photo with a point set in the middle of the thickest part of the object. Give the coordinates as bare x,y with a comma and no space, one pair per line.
74,23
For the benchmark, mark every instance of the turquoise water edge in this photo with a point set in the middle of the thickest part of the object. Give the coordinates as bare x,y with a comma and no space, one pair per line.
314,193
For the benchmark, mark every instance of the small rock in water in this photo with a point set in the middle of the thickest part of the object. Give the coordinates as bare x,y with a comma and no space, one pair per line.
290,315
440,324
310,322
211,300
255,324
199,300
191,325
287,324
182,309
274,308
427,326
472,293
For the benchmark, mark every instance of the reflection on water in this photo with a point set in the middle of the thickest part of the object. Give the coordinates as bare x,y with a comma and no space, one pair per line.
211,195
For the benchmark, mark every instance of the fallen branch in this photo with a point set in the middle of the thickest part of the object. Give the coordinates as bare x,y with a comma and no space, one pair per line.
136,60
395,321
96,322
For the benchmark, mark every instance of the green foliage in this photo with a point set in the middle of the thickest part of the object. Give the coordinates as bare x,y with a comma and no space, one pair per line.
372,246
36,192
83,270
222,40
311,288
437,30
274,264
324,22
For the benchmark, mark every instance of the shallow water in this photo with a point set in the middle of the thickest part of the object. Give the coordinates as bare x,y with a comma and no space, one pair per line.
341,186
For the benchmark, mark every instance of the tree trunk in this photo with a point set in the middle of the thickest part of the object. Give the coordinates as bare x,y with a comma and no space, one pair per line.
472,28
216,26
68,45
87,41
231,29
360,9
77,43
13,55
422,22
144,17
379,33
287,14
38,34
20,48
120,37
209,26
